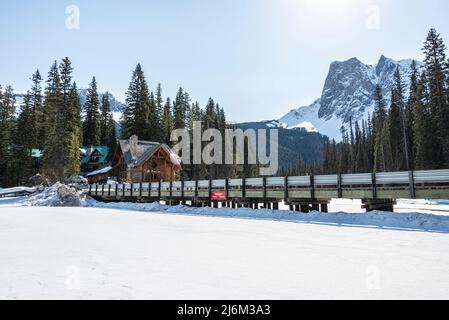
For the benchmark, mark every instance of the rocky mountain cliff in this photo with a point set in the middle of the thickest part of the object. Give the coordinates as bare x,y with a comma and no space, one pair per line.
347,94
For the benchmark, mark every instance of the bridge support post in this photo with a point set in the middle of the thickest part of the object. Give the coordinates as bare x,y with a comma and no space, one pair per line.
324,208
378,205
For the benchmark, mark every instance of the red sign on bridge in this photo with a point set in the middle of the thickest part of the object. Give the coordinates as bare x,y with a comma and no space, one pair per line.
219,196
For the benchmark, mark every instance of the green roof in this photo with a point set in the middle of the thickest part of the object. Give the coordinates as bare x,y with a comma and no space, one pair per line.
104,152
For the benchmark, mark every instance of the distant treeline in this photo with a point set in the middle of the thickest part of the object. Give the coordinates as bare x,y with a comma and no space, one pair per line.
51,120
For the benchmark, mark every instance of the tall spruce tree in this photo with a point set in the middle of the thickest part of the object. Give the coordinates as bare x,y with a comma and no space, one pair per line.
74,132
436,75
159,110
195,114
404,148
409,114
107,126
179,110
23,141
395,133
53,151
167,122
137,110
37,116
70,126
423,128
91,125
379,131
153,131
7,131
61,110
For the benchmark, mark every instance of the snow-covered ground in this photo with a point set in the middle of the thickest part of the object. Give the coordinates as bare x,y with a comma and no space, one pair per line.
113,251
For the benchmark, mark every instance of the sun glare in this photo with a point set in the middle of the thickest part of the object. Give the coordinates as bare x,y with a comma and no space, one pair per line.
328,7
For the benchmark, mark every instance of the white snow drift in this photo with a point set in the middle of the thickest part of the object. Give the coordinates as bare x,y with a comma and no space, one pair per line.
61,195
98,253
113,251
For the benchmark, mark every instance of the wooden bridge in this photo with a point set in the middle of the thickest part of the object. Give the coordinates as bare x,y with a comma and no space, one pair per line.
378,191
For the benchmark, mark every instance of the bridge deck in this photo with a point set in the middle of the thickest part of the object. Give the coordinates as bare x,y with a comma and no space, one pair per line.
389,186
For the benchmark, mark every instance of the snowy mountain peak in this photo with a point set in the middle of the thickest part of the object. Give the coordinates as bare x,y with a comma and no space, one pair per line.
348,94
116,106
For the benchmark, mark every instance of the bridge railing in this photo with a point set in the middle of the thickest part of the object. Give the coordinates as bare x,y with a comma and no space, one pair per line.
432,184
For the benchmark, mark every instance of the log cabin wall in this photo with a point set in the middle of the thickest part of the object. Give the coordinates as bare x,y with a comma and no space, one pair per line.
142,161
157,167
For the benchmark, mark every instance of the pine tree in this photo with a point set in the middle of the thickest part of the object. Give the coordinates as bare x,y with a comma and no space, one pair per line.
380,141
153,129
105,120
107,126
112,135
423,128
403,151
195,114
91,125
53,152
37,116
23,141
436,75
65,71
409,114
69,122
179,111
209,115
61,123
395,134
73,132
159,110
137,109
7,131
167,122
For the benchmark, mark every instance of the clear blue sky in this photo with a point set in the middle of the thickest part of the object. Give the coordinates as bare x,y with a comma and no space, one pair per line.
257,58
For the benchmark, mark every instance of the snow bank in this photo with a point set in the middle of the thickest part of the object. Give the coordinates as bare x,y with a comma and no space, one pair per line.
117,254
58,195
387,220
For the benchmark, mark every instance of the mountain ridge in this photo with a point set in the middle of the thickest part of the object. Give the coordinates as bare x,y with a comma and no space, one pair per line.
348,95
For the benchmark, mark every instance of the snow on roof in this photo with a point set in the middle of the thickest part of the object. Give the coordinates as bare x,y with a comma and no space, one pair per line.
99,171
175,159
136,151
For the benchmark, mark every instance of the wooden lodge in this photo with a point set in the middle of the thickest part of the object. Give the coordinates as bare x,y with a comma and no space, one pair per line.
93,157
136,161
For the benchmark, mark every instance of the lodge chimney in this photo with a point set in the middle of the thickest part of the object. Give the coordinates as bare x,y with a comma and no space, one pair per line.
133,141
